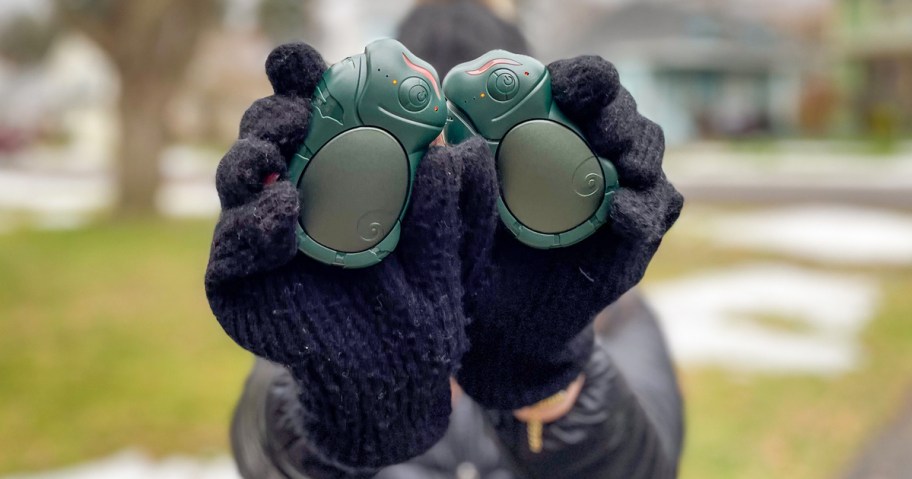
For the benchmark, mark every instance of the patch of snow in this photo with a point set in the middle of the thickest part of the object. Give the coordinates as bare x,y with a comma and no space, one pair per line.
135,465
827,233
21,190
189,162
188,200
712,318
67,198
61,221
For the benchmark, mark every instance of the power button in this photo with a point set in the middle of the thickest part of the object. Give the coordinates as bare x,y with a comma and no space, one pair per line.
503,84
414,94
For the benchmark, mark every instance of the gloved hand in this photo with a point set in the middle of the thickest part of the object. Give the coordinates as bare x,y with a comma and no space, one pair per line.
531,309
373,349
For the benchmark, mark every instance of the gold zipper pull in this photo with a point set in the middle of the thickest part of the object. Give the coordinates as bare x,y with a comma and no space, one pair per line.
545,411
534,430
535,426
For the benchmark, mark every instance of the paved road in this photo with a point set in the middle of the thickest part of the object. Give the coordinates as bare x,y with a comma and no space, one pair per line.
889,454
885,194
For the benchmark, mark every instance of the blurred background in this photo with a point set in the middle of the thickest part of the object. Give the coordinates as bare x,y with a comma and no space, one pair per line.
785,290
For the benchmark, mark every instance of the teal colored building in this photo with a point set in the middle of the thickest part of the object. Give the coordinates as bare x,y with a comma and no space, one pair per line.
874,38
701,71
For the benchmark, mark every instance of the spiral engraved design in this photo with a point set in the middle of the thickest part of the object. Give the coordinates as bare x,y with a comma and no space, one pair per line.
587,184
370,226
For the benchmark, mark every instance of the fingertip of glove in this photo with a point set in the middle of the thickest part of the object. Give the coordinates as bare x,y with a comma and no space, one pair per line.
279,119
432,221
640,150
675,206
294,69
616,126
645,216
281,201
584,85
241,172
475,157
475,145
440,167
479,185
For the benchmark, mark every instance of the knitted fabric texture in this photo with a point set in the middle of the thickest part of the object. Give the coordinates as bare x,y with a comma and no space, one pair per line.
530,309
371,350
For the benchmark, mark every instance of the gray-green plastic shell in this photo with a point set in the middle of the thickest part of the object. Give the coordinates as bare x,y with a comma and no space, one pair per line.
555,191
373,117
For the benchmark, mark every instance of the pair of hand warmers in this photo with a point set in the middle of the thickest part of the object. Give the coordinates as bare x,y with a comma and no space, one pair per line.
373,349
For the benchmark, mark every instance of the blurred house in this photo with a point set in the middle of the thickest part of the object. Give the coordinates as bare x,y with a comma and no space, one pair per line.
699,69
875,38
67,99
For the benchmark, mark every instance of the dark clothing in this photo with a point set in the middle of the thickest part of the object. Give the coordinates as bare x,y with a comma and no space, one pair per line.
626,423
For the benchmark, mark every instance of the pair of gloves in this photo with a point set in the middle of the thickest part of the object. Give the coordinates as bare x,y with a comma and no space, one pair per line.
373,350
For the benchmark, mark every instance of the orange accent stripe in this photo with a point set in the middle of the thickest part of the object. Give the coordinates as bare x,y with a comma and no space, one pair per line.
496,61
425,73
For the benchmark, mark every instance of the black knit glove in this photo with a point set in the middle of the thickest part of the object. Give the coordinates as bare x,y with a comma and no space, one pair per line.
530,309
373,349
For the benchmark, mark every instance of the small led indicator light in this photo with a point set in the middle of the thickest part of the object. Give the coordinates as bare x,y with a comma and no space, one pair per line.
395,81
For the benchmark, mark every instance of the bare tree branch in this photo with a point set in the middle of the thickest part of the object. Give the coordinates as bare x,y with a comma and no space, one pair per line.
150,42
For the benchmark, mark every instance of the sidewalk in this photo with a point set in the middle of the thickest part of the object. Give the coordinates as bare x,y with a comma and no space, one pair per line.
793,172
887,456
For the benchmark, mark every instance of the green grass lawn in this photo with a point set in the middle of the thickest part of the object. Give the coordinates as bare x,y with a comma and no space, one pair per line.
106,342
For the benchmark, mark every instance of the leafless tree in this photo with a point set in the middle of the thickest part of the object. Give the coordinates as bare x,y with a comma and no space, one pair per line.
150,42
